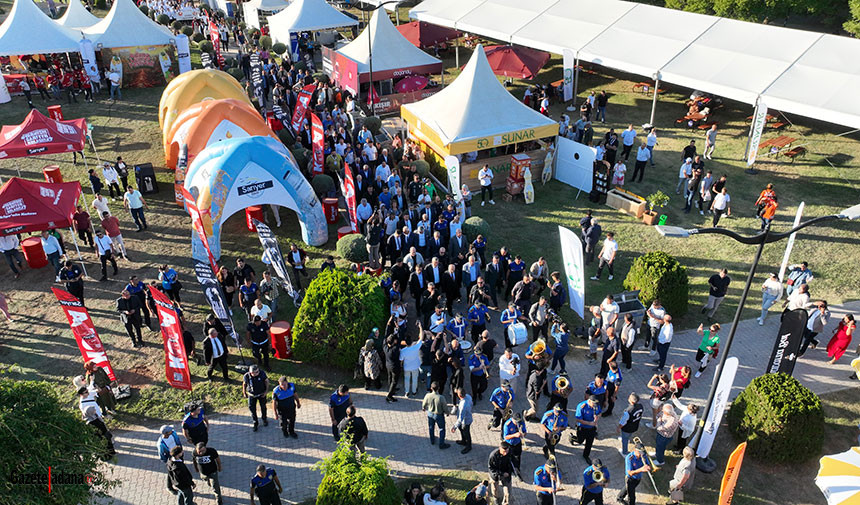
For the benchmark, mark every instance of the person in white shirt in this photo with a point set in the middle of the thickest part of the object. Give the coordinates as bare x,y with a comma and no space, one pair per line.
599,151
618,172
437,321
643,154
687,422
383,172
684,173
509,366
651,142
369,152
100,205
104,247
134,202
53,251
655,314
628,137
262,310
771,291
112,180
9,248
609,312
486,177
721,206
411,359
115,81
710,141
664,340
607,256
591,99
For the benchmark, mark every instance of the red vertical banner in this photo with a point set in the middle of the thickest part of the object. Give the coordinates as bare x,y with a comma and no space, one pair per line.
175,360
215,36
197,223
85,333
350,196
318,143
302,102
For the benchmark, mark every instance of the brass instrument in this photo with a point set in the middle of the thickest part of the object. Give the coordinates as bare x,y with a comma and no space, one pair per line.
637,442
508,412
555,437
539,347
561,383
598,476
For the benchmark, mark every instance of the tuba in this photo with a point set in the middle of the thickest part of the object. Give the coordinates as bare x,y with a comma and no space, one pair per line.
598,476
541,357
561,383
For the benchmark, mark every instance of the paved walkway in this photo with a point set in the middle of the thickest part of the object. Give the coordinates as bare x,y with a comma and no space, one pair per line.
399,430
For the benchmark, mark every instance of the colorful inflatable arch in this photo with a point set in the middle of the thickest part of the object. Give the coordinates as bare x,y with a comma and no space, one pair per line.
211,121
234,174
194,87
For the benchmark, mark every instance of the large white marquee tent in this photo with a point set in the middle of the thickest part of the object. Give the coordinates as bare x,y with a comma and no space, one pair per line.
28,30
794,71
77,16
125,25
306,16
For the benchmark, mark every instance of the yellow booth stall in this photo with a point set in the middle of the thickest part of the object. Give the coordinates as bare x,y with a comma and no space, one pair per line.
476,119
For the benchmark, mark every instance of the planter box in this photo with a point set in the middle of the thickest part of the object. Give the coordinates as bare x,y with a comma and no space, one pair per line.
649,218
626,203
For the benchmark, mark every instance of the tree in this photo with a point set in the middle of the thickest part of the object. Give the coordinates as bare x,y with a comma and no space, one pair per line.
699,6
350,479
36,432
852,26
659,275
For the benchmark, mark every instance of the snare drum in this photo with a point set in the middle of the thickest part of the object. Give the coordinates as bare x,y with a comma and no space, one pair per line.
465,344
517,333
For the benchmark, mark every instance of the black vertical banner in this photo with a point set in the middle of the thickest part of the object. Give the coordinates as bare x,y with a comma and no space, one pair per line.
788,340
257,73
205,60
272,250
215,297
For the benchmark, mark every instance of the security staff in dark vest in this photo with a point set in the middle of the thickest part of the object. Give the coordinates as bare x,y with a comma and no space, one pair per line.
266,486
285,401
258,334
629,422
255,384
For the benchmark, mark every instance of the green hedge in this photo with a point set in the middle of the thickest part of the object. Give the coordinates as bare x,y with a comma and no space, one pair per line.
286,136
236,73
322,184
353,248
475,226
206,47
187,31
198,37
144,9
355,480
373,123
781,420
659,275
279,48
335,318
163,19
266,42
101,4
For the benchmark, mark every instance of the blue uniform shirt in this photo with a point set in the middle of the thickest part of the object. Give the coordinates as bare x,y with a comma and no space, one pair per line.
475,361
264,487
287,395
588,479
502,397
134,289
561,341
192,422
543,479
585,412
516,267
550,420
614,377
510,427
593,389
507,314
458,329
633,462
479,313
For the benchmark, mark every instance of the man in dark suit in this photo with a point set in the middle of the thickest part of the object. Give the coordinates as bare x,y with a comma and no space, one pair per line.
458,248
215,353
399,272
129,308
428,303
436,244
492,277
592,237
417,282
396,245
451,286
434,271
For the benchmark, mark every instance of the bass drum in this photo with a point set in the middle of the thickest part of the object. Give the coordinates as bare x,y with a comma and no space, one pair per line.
517,334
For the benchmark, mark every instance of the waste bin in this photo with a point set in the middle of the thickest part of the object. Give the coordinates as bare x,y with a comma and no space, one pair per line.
330,208
628,303
251,213
52,174
343,231
282,339
55,112
33,252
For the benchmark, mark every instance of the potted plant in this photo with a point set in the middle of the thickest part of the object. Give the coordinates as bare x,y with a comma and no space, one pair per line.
657,199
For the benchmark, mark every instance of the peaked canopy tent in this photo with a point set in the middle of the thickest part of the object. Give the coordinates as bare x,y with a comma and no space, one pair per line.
516,61
77,16
306,16
422,34
475,112
29,206
28,30
39,134
126,26
269,5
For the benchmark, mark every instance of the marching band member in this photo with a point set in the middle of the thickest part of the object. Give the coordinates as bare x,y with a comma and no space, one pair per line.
546,482
553,423
509,366
514,432
534,387
635,465
597,388
613,384
594,479
479,366
502,400
538,355
559,391
587,413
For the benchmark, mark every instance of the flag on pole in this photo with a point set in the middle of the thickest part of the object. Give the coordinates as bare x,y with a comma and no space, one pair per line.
568,62
571,253
318,144
730,478
272,251
175,360
197,223
302,102
347,187
82,326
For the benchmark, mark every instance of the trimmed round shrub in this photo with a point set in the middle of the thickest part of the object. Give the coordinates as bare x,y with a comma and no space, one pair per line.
286,137
422,167
144,9
242,25
322,184
321,77
475,226
231,62
187,31
335,318
355,480
353,248
373,123
266,42
176,25
300,65
781,420
236,73
279,48
206,8
659,275
101,4
198,37
163,19
206,47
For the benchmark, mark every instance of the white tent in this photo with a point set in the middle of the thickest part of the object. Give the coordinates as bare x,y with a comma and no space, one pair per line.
269,5
306,16
77,16
475,112
443,12
822,83
391,50
737,60
125,25
498,19
28,30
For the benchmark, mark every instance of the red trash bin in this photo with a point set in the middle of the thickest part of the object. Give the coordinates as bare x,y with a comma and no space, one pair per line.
33,252
343,231
330,209
52,174
274,123
282,339
55,112
251,213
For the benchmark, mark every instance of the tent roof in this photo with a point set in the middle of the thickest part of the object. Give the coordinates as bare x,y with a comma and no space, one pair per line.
498,19
26,20
443,12
306,15
39,134
391,6
35,206
125,25
77,16
269,5
424,34
571,24
737,60
516,61
391,50
475,106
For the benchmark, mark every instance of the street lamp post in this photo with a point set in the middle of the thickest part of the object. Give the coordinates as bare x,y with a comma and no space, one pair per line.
371,10
760,239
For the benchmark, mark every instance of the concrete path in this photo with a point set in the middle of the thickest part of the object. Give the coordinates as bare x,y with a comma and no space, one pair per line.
399,430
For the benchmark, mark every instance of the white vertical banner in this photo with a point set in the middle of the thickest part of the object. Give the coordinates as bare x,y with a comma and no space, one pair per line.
790,243
252,16
568,62
88,57
721,399
5,97
574,270
452,164
758,123
183,53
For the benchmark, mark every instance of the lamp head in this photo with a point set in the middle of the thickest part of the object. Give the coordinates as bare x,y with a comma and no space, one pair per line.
851,213
672,231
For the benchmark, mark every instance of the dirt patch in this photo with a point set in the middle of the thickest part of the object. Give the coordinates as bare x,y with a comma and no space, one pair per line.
138,375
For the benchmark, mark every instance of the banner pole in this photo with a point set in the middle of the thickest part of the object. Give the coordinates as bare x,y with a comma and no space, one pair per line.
80,258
